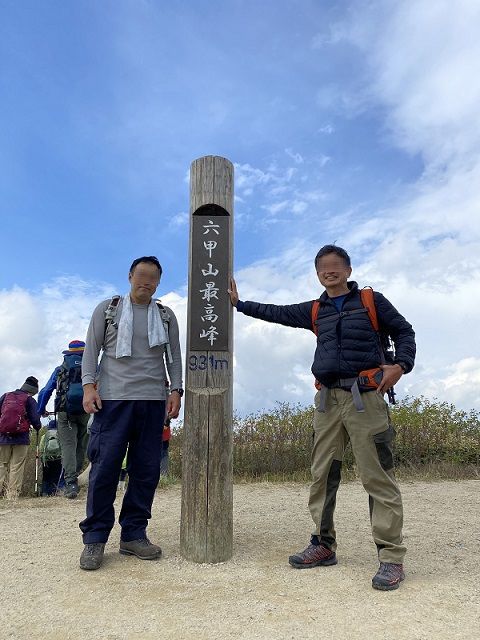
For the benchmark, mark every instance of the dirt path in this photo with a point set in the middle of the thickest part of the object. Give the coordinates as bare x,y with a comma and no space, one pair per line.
256,594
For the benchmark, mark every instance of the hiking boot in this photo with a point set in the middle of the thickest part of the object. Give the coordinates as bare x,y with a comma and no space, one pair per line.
141,548
388,576
92,556
315,555
71,490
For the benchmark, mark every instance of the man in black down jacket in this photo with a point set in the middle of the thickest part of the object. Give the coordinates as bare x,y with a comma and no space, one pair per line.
347,345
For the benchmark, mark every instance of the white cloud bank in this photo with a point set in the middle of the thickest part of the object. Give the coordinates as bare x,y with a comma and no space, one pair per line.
36,327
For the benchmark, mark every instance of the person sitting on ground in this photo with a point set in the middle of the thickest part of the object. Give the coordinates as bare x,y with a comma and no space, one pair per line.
72,420
51,457
18,410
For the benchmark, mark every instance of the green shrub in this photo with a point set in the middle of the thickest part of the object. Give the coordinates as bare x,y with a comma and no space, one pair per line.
435,432
433,438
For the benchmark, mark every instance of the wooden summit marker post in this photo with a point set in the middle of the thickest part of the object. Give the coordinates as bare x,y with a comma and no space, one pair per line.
206,533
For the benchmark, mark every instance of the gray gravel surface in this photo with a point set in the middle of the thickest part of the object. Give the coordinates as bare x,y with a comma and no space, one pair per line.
256,594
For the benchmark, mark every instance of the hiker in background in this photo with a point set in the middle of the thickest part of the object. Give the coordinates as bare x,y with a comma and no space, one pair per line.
18,410
123,474
167,434
51,457
353,369
163,460
71,417
126,393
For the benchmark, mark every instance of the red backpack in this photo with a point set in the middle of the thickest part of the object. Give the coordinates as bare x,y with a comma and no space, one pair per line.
13,418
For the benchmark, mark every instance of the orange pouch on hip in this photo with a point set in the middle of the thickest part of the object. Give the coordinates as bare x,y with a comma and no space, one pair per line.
370,378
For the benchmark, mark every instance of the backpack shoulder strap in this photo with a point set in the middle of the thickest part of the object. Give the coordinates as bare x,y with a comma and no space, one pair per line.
163,312
165,316
366,296
315,310
110,313
111,310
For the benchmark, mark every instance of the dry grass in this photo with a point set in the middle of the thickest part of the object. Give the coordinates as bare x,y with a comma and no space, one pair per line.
435,441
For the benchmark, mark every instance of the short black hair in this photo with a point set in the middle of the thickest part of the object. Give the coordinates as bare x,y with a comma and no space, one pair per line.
150,259
332,248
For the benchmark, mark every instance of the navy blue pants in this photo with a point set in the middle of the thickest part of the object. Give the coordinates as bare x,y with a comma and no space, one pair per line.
137,424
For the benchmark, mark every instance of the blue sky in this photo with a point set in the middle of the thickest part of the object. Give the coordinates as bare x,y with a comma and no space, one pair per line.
349,122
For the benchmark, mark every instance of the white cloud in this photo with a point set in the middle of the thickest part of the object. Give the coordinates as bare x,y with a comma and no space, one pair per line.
276,207
179,220
422,59
336,33
36,327
462,385
296,157
282,192
247,177
327,129
345,101
299,206
271,359
424,252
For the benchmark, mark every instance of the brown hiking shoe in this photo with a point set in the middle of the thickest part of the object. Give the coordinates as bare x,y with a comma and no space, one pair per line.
388,576
141,548
92,556
315,555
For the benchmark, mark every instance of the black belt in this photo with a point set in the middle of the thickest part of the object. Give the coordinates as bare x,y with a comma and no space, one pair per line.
347,384
343,383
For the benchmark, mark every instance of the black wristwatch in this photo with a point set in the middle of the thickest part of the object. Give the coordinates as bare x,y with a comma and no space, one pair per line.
179,391
403,366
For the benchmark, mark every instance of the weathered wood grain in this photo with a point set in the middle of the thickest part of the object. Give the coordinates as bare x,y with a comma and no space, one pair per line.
207,487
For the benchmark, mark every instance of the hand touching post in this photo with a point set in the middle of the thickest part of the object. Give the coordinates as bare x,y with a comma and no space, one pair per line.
232,292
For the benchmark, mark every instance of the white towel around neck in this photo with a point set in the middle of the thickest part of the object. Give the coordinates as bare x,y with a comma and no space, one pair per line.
156,331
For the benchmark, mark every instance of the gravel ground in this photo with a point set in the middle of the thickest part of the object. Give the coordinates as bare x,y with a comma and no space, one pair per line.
256,594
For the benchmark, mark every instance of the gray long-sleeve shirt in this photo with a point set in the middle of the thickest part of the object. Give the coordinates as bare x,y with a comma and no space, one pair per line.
140,376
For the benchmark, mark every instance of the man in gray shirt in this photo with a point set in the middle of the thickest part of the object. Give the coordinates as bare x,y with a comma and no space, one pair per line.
127,394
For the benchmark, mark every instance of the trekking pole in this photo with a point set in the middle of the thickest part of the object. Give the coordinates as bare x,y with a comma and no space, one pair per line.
37,460
391,395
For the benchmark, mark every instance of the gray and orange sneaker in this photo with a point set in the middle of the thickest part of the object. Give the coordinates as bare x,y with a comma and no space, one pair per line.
315,555
388,576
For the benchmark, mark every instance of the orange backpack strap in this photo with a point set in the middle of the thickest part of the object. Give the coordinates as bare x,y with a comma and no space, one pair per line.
315,310
368,302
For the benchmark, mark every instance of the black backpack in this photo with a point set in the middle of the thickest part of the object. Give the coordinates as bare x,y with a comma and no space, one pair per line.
69,385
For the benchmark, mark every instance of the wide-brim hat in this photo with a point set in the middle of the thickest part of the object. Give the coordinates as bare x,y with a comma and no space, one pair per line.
75,346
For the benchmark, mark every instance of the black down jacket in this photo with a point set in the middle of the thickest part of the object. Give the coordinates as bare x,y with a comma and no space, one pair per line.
346,342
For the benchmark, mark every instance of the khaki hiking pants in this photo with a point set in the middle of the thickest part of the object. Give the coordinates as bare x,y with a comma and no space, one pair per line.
371,435
12,468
